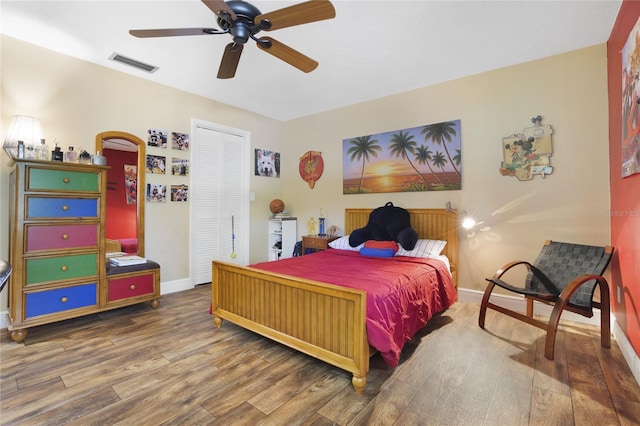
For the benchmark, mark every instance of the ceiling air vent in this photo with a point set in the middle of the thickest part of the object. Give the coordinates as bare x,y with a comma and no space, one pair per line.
132,62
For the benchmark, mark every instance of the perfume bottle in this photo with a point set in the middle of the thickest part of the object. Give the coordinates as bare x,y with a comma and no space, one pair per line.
57,154
84,157
99,159
43,151
70,156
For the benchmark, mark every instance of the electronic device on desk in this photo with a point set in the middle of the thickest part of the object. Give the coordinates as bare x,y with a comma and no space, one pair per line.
127,260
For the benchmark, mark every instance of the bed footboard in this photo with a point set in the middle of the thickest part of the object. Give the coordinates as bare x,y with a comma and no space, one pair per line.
324,321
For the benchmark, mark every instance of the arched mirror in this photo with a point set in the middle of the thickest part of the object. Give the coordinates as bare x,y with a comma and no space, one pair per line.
125,155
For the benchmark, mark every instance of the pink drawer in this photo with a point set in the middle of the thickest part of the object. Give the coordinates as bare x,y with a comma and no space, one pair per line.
123,288
55,237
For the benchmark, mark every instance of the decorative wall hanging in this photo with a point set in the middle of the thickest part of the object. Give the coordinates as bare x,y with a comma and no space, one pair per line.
157,138
397,162
311,167
267,163
630,103
180,141
527,154
156,193
179,192
156,164
179,166
131,183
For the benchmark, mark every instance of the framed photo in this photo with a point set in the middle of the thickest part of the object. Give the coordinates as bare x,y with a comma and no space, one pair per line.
179,192
157,138
179,166
156,164
267,163
156,193
180,141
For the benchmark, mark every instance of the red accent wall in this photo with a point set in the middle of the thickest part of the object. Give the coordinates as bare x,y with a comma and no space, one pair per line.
625,193
121,217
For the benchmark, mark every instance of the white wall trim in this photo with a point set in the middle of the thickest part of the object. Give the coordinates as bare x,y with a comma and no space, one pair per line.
633,360
165,288
469,296
518,304
175,286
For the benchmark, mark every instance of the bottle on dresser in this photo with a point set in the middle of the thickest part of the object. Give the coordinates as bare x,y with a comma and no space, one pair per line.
70,156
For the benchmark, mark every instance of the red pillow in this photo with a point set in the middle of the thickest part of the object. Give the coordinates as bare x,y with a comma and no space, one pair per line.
382,245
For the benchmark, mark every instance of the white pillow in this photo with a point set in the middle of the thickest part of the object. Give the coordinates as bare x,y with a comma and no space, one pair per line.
424,248
342,243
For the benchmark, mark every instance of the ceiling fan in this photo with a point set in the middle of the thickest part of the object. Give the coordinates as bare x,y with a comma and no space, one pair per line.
243,21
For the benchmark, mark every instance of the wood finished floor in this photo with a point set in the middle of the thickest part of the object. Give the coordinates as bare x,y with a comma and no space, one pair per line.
139,366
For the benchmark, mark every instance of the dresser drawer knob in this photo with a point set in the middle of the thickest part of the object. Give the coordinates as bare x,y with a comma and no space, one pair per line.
64,268
64,299
132,287
65,236
66,180
65,208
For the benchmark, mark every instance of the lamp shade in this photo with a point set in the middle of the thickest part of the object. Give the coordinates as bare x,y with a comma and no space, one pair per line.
22,128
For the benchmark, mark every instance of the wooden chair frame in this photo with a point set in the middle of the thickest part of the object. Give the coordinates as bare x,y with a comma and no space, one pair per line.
560,304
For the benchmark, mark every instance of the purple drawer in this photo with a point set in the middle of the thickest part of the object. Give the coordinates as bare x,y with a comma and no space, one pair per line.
54,237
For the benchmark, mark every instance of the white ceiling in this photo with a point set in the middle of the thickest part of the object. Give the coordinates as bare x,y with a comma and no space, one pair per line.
370,50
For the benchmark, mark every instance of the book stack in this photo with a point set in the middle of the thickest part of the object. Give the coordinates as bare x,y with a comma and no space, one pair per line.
127,260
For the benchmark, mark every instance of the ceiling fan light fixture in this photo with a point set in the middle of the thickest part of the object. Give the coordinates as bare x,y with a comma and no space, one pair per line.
116,57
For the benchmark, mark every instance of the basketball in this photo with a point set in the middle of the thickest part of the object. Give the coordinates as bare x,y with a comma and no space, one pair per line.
276,206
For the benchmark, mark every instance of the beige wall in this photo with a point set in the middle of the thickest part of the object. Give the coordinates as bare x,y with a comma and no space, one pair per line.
568,90
76,100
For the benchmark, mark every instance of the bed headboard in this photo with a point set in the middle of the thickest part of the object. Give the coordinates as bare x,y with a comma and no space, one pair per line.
432,224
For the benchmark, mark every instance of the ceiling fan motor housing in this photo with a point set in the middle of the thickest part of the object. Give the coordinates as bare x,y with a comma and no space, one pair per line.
243,27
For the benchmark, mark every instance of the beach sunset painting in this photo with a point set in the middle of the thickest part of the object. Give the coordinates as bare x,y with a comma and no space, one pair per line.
425,158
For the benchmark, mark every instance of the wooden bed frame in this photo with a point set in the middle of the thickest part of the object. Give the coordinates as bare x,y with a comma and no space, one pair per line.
325,321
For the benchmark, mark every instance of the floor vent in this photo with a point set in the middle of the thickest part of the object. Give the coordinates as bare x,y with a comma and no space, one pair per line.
132,62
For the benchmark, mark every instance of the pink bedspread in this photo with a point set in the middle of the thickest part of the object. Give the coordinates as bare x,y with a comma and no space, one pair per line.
403,293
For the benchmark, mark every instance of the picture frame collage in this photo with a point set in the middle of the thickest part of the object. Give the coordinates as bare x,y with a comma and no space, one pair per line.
177,165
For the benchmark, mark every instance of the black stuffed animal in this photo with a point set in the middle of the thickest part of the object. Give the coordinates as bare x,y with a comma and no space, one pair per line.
387,223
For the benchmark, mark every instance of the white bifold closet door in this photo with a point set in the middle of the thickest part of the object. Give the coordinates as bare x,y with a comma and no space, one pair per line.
219,197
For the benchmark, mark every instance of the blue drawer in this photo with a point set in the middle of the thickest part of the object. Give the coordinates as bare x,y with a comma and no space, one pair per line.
60,299
40,207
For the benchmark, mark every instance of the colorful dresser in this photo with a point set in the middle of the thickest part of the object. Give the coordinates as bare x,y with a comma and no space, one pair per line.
57,248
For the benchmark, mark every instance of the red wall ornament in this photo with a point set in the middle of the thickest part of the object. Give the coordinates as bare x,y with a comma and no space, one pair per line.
311,167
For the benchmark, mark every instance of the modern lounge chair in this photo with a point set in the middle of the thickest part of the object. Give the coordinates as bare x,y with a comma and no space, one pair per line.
565,276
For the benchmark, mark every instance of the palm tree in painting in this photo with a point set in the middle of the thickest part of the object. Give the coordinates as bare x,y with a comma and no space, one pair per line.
439,160
457,159
423,156
402,144
363,148
441,133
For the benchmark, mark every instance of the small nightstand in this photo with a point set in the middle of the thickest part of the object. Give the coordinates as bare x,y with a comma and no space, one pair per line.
315,243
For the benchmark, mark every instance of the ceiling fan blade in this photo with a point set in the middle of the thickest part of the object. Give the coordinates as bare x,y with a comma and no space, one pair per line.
219,7
302,13
230,60
171,32
289,55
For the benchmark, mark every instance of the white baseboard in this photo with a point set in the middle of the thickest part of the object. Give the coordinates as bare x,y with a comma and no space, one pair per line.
470,296
518,304
165,288
176,285
627,351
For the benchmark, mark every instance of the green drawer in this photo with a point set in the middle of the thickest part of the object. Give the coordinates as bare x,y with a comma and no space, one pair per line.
57,268
62,180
